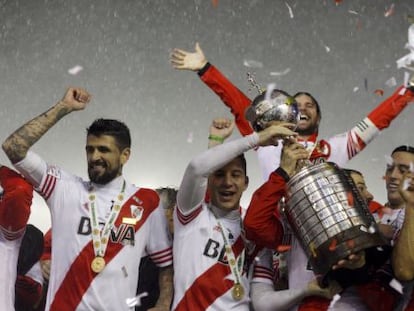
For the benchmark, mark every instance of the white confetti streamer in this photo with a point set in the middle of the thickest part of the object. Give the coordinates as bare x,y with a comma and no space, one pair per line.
356,89
190,137
290,10
75,70
280,73
391,82
136,301
252,63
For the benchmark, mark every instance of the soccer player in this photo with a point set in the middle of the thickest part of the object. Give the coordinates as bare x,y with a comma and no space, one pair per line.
209,251
102,227
339,148
15,200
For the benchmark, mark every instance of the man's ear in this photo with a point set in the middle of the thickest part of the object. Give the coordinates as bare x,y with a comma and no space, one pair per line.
246,182
125,155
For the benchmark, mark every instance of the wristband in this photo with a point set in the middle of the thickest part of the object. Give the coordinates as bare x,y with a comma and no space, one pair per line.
216,138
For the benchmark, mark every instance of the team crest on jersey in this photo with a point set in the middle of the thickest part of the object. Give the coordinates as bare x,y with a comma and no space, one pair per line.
137,212
53,171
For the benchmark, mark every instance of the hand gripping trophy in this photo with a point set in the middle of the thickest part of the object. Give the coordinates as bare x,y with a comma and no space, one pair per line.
322,205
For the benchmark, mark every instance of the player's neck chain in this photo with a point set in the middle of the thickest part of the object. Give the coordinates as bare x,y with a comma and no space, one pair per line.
100,238
236,265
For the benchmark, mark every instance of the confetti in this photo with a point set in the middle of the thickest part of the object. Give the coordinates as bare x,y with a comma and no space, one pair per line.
372,228
356,89
379,92
363,228
280,73
353,12
136,301
391,82
395,284
290,10
215,3
190,137
269,90
390,10
366,84
337,2
327,49
75,70
252,64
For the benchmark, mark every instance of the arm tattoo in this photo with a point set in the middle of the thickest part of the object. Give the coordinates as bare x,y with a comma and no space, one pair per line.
18,143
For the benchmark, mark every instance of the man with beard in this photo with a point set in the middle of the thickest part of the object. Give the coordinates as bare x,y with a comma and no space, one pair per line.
101,228
339,148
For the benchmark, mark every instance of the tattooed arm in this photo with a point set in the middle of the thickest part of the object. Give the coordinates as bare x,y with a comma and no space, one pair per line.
18,143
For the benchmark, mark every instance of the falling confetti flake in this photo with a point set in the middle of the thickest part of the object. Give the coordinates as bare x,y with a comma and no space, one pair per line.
356,89
280,73
353,12
379,92
136,301
332,246
252,64
390,10
283,248
338,2
391,82
215,3
190,138
290,10
75,70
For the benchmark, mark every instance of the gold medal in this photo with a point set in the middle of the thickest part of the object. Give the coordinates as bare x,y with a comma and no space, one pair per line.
98,264
237,291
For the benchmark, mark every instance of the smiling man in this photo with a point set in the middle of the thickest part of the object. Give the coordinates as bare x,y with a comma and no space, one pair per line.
102,227
209,251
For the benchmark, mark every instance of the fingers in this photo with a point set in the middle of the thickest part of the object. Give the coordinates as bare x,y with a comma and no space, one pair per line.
81,95
221,123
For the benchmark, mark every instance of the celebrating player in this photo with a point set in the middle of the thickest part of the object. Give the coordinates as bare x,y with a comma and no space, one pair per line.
102,227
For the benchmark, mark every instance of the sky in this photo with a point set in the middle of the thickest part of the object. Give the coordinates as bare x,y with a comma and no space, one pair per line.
343,52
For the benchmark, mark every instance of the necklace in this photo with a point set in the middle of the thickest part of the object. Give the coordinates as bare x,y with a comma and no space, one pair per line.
100,239
236,265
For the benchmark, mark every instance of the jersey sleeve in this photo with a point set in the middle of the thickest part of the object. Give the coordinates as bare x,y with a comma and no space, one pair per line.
230,95
262,222
15,203
347,145
159,245
193,186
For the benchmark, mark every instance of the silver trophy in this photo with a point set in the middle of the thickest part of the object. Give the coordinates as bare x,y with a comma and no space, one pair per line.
270,105
329,216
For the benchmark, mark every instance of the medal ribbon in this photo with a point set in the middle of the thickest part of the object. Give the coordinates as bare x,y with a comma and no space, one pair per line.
100,239
235,267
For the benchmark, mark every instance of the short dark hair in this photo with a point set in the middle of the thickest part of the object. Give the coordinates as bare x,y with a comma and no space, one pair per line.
242,158
318,109
403,148
170,194
350,171
114,128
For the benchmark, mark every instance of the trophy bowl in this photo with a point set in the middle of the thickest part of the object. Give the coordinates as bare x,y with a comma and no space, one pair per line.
277,106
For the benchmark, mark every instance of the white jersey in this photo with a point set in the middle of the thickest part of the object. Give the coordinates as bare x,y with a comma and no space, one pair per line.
9,253
203,280
73,285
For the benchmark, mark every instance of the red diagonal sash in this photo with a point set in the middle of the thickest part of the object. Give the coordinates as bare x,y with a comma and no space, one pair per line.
214,279
79,276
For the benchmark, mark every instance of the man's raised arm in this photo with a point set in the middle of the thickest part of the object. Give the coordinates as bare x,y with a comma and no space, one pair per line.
231,96
18,143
